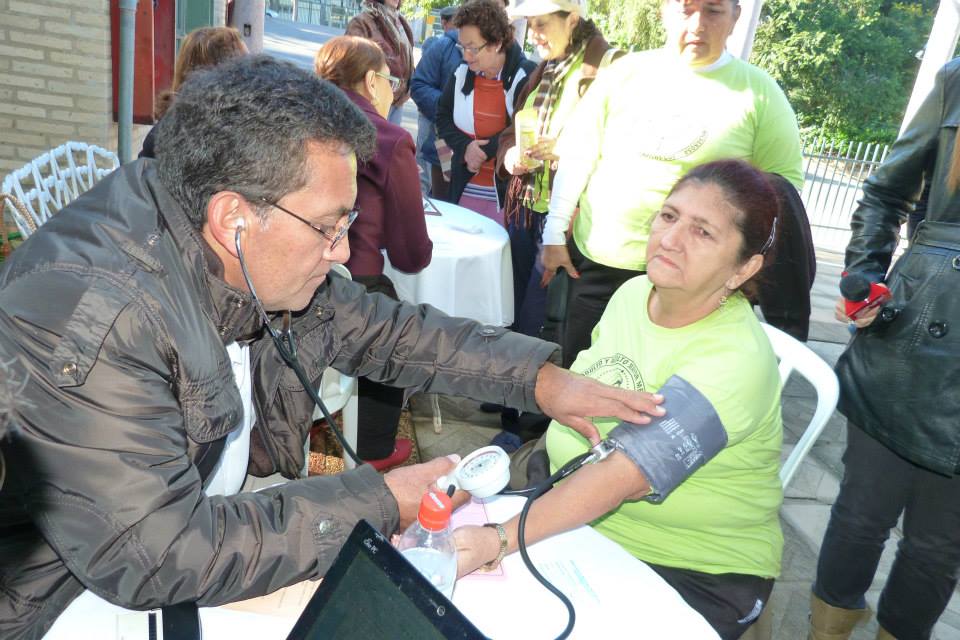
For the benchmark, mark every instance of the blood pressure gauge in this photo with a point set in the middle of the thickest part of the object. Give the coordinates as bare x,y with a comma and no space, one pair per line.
483,473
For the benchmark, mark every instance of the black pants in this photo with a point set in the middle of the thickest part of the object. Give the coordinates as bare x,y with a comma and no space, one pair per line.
878,485
587,299
730,602
378,405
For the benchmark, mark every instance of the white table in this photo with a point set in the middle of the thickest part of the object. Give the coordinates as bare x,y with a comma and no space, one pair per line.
614,594
470,274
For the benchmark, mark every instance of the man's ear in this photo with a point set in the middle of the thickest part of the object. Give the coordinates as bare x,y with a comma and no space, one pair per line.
225,216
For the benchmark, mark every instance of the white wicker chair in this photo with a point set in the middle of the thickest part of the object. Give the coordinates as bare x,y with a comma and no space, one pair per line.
54,179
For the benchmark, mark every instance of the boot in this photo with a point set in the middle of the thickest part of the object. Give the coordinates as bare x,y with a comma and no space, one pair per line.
833,623
883,634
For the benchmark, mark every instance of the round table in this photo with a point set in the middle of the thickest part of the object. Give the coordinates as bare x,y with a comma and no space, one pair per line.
470,274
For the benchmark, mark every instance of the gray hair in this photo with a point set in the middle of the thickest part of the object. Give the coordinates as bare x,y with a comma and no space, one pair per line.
244,126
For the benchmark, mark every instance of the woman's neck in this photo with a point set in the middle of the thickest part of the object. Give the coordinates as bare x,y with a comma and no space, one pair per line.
494,71
673,309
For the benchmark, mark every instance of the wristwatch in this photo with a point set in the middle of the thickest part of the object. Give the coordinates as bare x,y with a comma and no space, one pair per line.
502,534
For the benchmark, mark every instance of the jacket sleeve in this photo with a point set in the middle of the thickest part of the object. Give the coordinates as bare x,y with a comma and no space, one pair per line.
116,494
457,140
426,78
889,194
407,243
419,348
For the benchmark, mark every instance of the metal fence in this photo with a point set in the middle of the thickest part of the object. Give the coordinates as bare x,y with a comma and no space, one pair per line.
833,175
331,13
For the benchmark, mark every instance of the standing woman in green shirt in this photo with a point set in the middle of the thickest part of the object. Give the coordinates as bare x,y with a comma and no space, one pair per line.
646,121
572,51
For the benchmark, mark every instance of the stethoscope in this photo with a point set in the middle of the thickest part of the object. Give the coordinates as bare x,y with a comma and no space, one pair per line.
286,344
465,473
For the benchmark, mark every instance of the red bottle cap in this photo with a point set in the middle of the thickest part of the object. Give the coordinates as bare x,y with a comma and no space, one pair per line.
435,510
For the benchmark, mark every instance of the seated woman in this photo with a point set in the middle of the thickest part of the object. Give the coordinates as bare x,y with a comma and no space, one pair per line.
716,538
391,219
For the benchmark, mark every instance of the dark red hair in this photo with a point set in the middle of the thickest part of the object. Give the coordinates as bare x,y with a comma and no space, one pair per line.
757,204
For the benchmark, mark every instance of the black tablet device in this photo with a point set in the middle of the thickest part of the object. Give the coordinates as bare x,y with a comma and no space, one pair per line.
372,592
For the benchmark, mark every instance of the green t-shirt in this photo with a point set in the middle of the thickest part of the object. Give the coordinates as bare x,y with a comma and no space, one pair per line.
723,518
649,119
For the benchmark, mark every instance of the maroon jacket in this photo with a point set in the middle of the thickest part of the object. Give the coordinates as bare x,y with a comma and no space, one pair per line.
391,209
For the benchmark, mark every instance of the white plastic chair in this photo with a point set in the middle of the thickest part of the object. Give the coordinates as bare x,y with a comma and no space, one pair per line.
339,393
796,356
53,179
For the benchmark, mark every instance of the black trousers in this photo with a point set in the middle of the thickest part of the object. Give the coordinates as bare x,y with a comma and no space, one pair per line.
878,485
730,602
587,298
378,405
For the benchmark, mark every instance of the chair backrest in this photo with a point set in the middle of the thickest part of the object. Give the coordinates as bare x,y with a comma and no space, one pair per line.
795,356
53,179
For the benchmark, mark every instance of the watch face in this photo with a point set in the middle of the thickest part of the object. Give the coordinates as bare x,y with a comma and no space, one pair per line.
483,463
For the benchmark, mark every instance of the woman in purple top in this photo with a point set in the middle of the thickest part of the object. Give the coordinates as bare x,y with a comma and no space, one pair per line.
391,219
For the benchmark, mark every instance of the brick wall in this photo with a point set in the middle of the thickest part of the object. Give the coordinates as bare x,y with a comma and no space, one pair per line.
55,80
55,77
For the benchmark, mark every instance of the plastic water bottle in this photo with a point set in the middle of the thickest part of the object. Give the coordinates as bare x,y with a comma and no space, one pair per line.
428,543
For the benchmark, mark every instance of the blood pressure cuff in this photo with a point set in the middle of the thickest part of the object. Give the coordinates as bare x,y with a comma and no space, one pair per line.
671,448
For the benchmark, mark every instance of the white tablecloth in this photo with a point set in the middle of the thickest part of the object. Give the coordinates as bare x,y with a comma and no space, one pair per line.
470,274
614,594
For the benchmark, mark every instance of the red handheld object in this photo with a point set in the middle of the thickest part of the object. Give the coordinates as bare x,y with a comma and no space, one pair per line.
878,294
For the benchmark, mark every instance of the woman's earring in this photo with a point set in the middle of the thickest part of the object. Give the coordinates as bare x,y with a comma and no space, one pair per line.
723,300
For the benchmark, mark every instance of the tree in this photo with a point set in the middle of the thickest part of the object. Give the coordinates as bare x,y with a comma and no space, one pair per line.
847,66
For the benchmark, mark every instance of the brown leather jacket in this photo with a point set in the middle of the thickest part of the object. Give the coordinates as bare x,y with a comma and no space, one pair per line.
399,52
115,310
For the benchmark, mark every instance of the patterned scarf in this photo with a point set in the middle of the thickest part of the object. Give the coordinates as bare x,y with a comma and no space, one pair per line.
548,94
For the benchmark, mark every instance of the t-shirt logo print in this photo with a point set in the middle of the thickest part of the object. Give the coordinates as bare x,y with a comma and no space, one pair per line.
617,370
671,136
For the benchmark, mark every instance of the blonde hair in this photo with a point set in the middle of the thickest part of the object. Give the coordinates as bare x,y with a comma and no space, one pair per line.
203,47
345,60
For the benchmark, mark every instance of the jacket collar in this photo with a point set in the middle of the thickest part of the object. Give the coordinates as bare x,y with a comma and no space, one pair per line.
365,105
230,309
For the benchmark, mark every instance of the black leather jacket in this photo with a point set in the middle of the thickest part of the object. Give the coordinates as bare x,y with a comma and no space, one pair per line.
899,378
115,310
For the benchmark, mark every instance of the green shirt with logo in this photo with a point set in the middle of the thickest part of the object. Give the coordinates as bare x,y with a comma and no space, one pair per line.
723,518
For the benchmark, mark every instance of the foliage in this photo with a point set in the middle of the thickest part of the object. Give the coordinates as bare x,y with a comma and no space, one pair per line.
847,66
631,24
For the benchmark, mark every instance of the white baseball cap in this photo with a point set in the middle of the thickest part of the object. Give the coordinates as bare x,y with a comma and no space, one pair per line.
530,8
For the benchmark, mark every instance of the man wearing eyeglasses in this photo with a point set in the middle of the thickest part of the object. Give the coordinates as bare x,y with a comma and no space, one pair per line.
154,388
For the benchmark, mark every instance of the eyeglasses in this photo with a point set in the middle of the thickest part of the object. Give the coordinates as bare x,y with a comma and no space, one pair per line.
393,80
472,50
334,238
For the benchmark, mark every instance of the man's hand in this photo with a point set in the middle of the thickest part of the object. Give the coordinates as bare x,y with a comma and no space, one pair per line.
571,399
408,484
475,156
863,320
553,257
476,546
